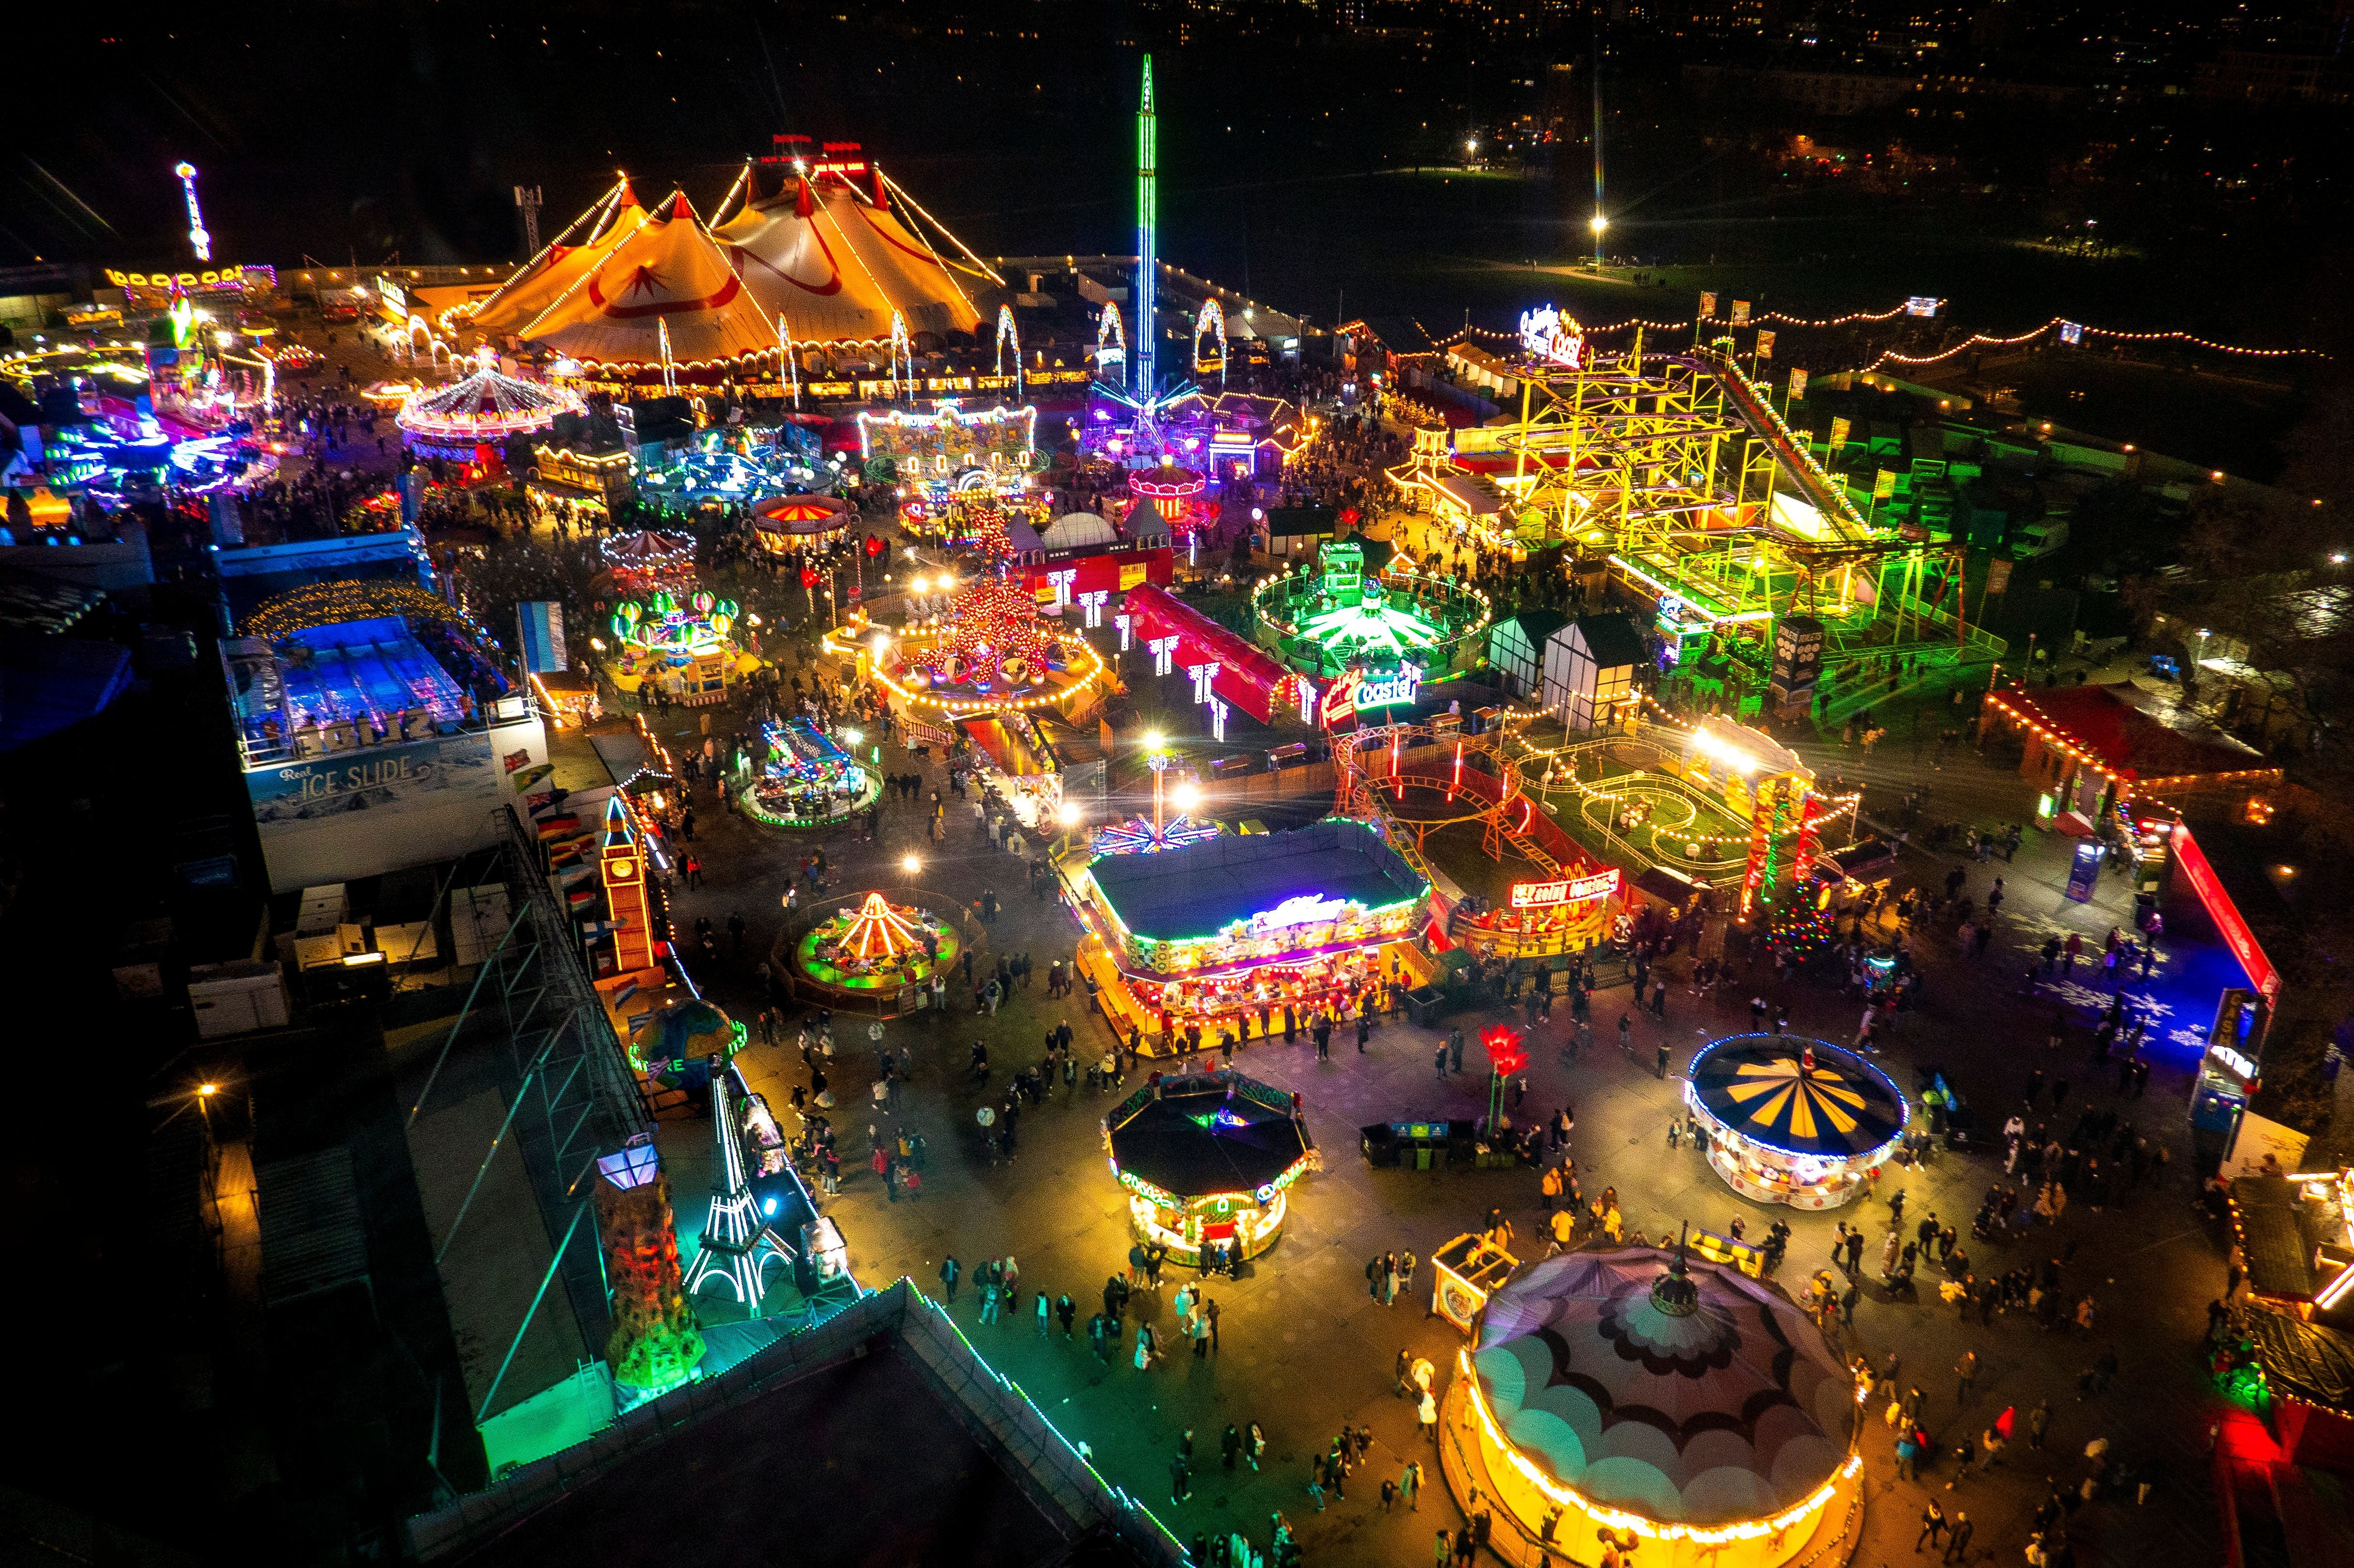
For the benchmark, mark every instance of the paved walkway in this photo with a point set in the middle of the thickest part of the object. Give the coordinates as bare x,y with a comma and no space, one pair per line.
1305,1349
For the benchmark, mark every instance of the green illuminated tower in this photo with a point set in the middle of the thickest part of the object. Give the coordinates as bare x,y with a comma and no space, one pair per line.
1142,381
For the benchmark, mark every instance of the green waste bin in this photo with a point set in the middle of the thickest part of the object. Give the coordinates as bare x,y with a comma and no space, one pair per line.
1422,1157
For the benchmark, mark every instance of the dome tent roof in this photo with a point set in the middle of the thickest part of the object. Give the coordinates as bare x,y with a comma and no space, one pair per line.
1074,529
1719,1407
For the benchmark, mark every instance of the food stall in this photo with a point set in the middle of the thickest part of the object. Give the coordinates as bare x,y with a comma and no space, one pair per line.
1463,1274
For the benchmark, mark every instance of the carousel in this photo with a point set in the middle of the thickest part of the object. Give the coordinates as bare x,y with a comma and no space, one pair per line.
808,778
1794,1121
987,650
482,410
1207,1161
641,562
875,946
681,648
1337,618
1640,1400
786,525
1180,495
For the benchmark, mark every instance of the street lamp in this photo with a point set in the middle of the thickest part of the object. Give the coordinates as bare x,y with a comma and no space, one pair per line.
1600,225
910,864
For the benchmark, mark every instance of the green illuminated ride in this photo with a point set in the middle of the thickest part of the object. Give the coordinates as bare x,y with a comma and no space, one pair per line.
1336,619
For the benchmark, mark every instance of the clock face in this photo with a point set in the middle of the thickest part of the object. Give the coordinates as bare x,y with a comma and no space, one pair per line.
621,868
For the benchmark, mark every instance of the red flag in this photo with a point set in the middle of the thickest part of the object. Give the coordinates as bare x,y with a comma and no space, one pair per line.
2003,1422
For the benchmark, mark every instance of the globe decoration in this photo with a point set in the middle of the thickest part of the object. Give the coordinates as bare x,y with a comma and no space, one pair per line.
675,1045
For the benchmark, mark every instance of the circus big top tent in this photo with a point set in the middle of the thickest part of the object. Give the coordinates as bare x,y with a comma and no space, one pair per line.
829,254
661,294
546,277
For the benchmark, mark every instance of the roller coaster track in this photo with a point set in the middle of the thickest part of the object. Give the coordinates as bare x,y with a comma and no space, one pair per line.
1367,760
1851,528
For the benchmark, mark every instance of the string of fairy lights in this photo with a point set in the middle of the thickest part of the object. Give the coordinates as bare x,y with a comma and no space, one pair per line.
1977,340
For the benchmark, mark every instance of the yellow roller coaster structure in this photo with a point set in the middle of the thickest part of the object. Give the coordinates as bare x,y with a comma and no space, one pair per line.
1677,470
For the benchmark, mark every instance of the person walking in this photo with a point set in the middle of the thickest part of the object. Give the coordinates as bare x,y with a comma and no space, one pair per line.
1957,1545
2039,1422
1965,1375
1932,1526
950,1271
1230,1446
1427,1413
1410,1485
1661,1071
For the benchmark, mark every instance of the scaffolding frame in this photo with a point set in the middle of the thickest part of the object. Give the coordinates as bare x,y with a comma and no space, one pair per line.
533,1022
1670,465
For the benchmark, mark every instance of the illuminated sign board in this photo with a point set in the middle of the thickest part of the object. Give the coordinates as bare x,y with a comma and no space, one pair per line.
2239,1065
2226,914
1564,890
1546,333
1302,909
1922,305
1356,692
211,278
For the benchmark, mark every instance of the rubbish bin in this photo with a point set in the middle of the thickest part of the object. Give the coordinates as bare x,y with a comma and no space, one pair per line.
1424,1004
1379,1143
1422,1157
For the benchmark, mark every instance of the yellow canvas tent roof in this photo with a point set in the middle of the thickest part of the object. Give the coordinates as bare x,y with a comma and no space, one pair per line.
542,280
663,271
835,265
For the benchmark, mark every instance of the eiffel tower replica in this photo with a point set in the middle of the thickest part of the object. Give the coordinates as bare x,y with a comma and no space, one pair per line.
735,1246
